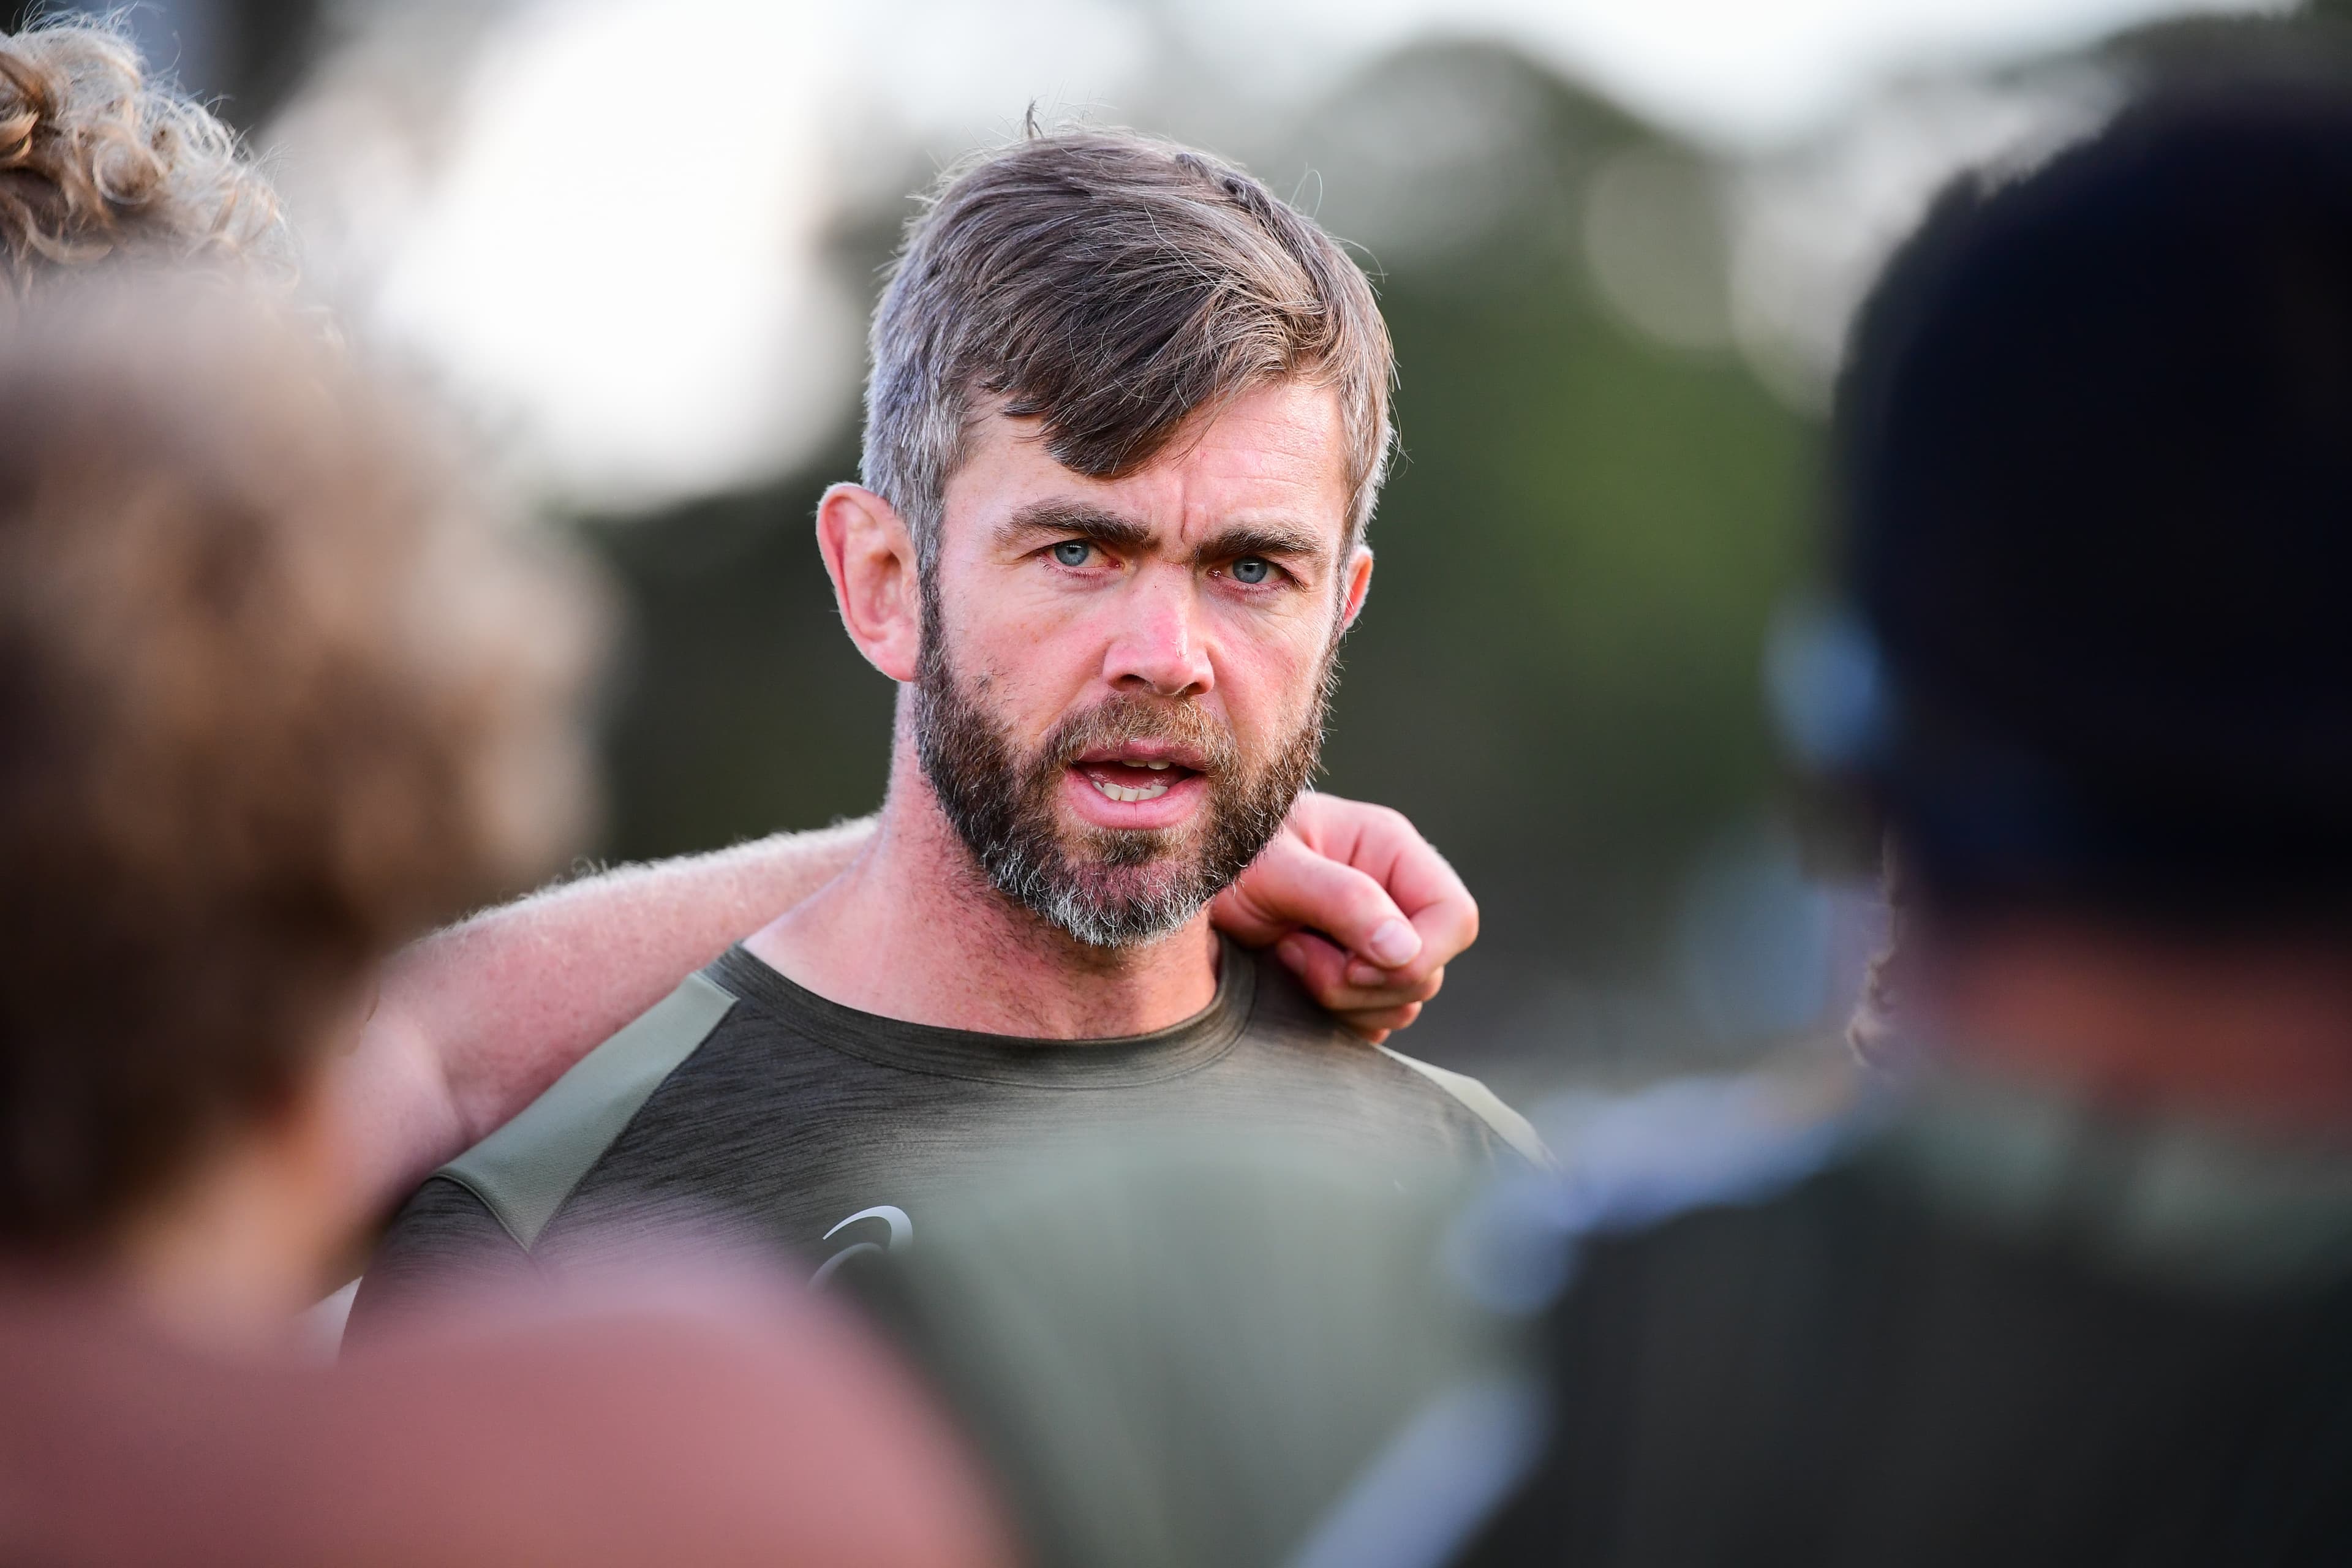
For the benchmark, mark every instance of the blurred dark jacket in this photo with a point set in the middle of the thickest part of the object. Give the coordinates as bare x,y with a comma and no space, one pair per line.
2000,1329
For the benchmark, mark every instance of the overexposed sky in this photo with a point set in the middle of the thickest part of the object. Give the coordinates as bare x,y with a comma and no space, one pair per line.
1736,74
602,222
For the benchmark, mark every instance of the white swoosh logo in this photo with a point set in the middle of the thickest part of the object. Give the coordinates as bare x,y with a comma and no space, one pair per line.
902,1233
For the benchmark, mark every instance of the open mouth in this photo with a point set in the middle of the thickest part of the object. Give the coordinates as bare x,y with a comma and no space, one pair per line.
1132,780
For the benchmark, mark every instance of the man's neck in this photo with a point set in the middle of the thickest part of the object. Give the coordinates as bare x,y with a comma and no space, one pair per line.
913,931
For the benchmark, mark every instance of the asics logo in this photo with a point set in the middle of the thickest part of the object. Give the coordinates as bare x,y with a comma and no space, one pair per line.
900,1231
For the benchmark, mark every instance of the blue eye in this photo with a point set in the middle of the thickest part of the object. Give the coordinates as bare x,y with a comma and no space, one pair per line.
1251,569
1073,552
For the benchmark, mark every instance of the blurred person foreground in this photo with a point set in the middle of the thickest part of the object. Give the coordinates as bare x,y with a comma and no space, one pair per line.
2085,1292
277,694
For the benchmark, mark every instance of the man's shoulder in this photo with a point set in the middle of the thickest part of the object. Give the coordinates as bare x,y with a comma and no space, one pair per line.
1284,1014
523,1171
481,1216
1515,1129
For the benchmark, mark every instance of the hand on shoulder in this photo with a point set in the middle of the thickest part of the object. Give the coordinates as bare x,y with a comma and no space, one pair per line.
1360,906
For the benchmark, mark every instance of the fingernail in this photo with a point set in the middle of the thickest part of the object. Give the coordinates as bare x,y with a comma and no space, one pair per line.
1393,944
1364,977
1290,952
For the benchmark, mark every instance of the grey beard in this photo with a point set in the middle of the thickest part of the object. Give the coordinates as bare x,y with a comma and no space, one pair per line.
1122,891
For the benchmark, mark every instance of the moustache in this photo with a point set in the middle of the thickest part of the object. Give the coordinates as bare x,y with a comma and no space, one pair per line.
1209,746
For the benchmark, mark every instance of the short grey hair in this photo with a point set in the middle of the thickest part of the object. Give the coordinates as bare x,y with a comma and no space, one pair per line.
1113,286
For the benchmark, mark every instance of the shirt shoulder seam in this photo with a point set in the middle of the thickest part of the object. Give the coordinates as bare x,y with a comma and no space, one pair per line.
1506,1123
464,1185
525,1171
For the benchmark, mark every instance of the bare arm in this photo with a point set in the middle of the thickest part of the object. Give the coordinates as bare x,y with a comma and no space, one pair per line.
475,1021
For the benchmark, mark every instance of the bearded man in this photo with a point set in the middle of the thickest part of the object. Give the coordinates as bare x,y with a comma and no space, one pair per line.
1127,420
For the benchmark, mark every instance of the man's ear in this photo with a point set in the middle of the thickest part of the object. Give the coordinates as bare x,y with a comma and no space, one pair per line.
870,556
1359,584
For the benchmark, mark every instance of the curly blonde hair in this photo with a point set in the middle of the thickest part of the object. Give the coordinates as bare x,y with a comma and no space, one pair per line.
101,161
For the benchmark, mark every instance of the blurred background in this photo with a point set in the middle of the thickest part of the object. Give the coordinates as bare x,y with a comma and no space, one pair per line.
1618,242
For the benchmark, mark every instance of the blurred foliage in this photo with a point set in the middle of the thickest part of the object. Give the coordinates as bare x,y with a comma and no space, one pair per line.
1557,676
741,706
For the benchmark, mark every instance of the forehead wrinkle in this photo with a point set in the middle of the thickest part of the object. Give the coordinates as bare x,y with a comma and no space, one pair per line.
1267,455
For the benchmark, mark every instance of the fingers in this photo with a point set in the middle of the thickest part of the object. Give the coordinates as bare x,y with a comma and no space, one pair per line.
1361,907
1385,845
1377,1025
1291,886
1326,971
1321,967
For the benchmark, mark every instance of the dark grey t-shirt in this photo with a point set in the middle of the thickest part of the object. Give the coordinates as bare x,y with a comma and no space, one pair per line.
751,1102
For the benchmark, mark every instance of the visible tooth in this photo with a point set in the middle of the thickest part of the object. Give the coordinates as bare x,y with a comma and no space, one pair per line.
1127,796
1156,767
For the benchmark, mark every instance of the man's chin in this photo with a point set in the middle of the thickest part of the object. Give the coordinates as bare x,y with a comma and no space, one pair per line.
1113,925
1133,854
1114,905
1156,886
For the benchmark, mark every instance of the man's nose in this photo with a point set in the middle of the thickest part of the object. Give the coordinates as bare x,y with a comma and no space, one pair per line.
1157,646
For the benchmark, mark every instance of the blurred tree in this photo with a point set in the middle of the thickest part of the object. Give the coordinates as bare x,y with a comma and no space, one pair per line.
1556,676
741,706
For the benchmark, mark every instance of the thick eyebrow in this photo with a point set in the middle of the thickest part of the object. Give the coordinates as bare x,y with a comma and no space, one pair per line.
1276,538
1076,519
1071,520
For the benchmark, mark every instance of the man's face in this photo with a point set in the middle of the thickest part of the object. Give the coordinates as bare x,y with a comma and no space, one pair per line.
1123,682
